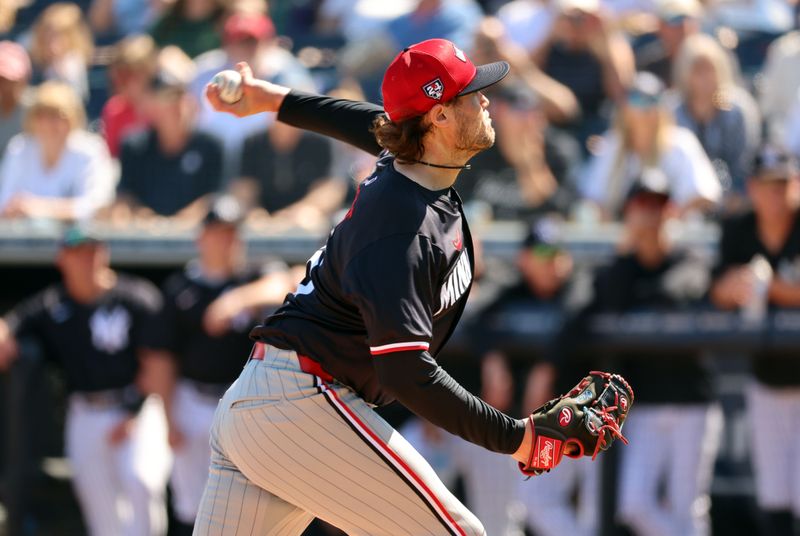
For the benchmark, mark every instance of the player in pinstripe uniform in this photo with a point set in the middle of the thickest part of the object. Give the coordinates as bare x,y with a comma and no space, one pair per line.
208,309
97,325
296,435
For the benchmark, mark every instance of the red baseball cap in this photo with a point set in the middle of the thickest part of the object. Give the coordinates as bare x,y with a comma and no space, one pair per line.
247,25
432,72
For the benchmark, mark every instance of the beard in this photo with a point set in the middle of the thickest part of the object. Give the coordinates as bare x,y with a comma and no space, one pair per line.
474,137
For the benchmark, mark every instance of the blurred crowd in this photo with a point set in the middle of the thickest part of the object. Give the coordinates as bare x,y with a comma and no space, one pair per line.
639,112
102,113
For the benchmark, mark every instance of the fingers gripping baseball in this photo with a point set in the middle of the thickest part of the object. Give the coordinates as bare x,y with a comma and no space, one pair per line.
239,93
583,422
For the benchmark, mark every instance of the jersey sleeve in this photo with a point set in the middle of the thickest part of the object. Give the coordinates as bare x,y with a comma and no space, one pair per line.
210,180
249,160
151,305
95,184
342,119
11,169
27,318
164,335
729,250
129,159
391,282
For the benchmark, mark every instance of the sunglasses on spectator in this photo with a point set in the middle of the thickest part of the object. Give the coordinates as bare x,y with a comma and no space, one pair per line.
48,113
637,99
544,251
649,200
676,20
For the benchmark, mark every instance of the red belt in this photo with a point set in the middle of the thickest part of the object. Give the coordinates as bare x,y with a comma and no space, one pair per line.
307,364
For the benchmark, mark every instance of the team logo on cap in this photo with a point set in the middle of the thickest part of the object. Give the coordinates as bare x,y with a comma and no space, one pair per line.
434,89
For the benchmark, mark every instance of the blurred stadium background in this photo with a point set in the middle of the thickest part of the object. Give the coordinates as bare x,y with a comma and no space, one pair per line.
102,121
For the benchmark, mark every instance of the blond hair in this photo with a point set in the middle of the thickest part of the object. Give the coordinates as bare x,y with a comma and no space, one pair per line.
59,98
135,52
66,19
618,180
704,47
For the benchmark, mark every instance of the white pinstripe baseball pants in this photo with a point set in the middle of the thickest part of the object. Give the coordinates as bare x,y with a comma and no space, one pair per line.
775,423
288,447
120,488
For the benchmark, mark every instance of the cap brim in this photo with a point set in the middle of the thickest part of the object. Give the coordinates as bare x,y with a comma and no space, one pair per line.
486,75
222,221
775,174
68,244
647,192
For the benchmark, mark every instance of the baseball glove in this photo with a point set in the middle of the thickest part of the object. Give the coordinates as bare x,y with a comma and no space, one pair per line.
581,423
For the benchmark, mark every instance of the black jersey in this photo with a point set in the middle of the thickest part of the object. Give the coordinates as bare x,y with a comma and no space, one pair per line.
679,281
95,344
738,245
384,294
394,276
200,357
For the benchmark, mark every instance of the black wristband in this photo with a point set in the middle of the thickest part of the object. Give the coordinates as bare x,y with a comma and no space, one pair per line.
132,399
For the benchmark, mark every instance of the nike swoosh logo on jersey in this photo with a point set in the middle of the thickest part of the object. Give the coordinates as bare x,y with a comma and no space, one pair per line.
458,242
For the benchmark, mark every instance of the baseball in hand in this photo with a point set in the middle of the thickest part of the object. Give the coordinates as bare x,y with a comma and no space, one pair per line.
229,83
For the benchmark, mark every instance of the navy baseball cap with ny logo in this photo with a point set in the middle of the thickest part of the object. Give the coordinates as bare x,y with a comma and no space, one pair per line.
433,72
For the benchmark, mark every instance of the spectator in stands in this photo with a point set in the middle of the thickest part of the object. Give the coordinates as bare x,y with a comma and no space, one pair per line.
759,270
644,136
530,169
455,20
778,84
791,129
349,162
8,15
355,20
673,434
131,68
677,20
210,306
15,72
492,43
754,19
170,168
191,25
585,54
99,327
250,37
286,180
723,116
122,17
528,23
55,169
549,290
62,48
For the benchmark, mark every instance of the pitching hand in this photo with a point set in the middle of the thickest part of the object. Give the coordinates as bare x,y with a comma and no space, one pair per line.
257,95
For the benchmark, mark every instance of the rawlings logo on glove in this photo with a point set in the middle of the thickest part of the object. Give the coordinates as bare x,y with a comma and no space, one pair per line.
581,423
